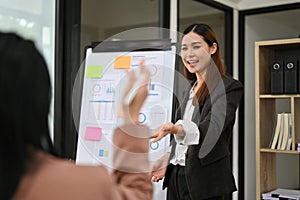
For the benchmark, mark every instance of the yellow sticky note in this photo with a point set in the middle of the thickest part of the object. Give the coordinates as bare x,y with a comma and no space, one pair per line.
93,72
105,153
122,62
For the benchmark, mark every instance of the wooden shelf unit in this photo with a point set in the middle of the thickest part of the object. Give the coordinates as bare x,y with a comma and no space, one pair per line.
265,108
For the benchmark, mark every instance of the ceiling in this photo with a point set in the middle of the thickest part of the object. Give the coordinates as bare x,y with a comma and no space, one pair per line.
251,4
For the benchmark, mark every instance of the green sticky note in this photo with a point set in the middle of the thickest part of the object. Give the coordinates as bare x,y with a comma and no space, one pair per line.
93,72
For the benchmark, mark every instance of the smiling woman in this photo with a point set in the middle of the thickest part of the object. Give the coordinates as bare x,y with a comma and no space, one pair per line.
209,54
200,155
195,53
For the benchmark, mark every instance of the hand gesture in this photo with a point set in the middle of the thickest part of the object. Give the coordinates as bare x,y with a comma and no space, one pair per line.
135,94
164,130
159,168
131,141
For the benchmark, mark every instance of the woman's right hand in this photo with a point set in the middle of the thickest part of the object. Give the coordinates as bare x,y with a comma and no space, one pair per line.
162,131
165,129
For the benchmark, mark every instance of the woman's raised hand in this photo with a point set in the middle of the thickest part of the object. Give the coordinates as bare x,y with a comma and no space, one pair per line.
135,93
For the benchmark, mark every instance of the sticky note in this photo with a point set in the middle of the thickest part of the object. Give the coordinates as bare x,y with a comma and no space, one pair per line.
101,153
105,153
122,62
93,133
120,113
93,72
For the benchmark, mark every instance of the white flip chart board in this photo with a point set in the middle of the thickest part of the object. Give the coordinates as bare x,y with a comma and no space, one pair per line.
100,113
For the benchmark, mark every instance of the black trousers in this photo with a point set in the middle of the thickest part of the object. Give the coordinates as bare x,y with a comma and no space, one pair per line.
178,189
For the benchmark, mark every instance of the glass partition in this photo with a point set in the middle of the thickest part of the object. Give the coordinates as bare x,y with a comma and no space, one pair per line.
33,20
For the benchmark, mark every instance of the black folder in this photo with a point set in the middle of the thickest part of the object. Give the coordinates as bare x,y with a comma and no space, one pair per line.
277,77
290,77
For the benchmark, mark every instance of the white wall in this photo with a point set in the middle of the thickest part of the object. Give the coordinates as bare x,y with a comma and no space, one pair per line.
277,25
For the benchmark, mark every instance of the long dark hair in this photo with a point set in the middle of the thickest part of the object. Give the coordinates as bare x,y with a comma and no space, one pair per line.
24,107
211,78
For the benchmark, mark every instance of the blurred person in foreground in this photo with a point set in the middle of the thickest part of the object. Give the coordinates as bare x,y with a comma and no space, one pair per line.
29,168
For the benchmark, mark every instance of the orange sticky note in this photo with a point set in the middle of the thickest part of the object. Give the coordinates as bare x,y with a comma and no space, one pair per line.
120,113
122,62
93,133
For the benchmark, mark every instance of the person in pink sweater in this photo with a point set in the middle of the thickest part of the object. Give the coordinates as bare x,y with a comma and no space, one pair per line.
29,167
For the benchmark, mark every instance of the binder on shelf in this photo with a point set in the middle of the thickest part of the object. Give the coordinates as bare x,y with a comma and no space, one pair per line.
291,77
277,77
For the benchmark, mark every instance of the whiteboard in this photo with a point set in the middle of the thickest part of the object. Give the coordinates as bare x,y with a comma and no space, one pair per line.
100,113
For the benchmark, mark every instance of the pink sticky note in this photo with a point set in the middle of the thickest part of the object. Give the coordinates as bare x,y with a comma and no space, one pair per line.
93,133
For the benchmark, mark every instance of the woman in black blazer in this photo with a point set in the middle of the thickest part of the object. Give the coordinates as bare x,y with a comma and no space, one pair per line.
198,164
